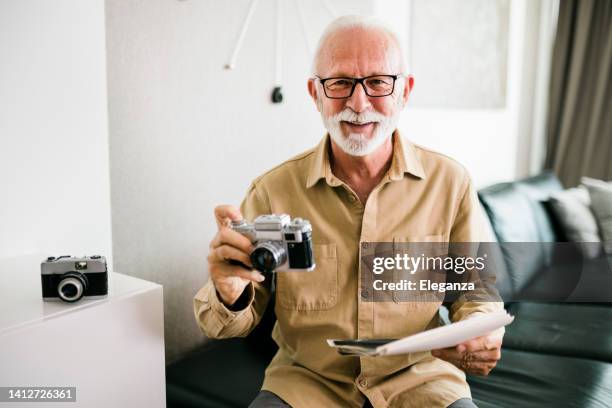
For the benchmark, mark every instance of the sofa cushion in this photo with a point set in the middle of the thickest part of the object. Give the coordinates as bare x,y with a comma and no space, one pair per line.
510,212
518,214
601,204
525,379
572,209
539,188
578,330
519,211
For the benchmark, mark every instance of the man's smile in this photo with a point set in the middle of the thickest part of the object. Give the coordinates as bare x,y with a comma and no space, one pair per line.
358,127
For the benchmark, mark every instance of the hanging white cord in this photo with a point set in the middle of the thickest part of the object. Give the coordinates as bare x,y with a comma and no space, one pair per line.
277,73
300,12
329,8
245,25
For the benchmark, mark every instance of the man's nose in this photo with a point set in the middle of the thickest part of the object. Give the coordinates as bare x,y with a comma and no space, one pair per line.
359,100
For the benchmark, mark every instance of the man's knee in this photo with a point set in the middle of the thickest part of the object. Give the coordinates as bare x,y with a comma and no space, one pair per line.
267,399
463,403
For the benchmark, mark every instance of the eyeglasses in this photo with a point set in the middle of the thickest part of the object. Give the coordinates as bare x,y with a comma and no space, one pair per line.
374,86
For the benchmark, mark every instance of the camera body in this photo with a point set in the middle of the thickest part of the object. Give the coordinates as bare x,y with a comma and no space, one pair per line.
71,278
281,244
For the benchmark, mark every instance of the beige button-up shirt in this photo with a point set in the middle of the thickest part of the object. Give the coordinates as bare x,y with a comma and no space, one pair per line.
425,196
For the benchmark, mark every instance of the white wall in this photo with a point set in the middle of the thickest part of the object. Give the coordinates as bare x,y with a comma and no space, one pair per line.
186,135
54,169
494,144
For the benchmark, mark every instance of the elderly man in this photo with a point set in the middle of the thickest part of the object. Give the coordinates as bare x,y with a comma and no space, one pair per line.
362,183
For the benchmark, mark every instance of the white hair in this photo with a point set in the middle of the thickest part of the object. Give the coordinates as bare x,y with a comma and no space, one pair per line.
350,21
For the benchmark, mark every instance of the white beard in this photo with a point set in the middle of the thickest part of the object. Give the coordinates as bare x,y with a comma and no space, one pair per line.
357,144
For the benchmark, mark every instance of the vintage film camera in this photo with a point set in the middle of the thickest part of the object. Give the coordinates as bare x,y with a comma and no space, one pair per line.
70,278
281,244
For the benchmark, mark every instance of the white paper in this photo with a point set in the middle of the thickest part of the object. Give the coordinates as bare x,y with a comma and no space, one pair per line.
449,335
440,337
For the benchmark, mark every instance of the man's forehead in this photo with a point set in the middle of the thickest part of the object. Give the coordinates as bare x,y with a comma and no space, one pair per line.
359,52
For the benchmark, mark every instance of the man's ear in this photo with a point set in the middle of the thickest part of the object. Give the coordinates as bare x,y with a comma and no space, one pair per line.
408,84
312,90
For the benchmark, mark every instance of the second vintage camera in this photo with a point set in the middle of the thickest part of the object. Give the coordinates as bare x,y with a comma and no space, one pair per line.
281,244
70,278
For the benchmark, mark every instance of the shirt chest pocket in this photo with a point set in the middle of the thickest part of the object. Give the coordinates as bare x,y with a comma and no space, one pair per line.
315,290
423,251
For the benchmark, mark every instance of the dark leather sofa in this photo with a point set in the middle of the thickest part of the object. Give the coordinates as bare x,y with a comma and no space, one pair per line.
555,354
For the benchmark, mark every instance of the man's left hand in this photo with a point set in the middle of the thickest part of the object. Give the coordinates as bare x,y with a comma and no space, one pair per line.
477,356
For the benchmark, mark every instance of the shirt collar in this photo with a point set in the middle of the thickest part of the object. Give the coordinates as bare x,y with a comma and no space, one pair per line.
405,160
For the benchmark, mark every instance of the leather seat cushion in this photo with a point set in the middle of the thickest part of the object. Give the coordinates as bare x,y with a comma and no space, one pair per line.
578,330
524,379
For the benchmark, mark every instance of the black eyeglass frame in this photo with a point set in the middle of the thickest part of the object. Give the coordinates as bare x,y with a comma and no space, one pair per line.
359,81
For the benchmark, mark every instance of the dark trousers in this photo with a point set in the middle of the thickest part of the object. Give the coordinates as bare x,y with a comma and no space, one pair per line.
266,399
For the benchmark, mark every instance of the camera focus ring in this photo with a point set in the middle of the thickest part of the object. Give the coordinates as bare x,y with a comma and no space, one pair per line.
268,256
72,286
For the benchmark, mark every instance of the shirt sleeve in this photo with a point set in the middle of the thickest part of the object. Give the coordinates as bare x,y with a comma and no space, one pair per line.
213,317
470,227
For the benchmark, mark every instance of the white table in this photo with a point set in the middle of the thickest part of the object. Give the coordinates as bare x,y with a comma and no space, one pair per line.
111,350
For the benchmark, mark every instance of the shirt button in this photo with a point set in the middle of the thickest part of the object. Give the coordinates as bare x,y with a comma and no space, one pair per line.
352,198
363,382
365,294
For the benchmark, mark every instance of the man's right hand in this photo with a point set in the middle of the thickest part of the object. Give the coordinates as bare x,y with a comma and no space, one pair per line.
230,280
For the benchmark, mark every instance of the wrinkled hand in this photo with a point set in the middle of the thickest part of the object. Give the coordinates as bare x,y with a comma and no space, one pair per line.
477,356
230,280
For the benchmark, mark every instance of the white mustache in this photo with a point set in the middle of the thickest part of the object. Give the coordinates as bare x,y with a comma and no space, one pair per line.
348,115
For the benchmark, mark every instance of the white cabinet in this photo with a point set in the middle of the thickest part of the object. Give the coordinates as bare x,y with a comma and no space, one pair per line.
111,350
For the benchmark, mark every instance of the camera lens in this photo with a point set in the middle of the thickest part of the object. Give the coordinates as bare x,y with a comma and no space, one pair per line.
268,256
264,260
72,287
69,290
